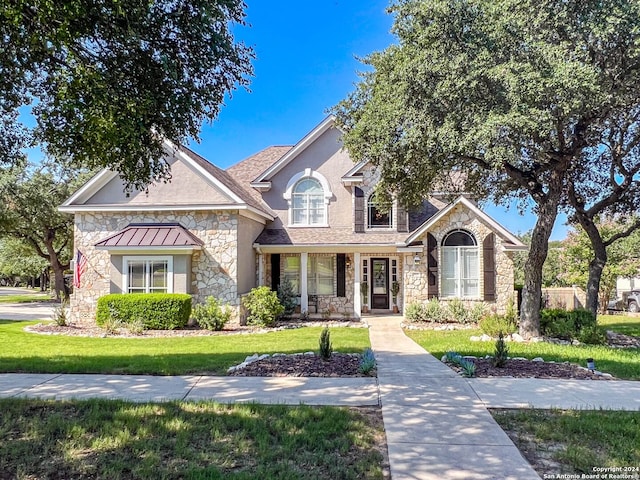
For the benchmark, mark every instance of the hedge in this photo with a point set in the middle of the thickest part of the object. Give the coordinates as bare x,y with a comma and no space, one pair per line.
158,311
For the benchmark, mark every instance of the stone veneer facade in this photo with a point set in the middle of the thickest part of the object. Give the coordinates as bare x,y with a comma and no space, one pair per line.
415,276
213,268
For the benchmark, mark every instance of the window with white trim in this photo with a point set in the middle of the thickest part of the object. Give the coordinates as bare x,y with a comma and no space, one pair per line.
460,265
153,274
291,272
320,275
377,218
307,203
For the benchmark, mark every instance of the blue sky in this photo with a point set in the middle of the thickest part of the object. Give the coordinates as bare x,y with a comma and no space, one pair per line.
306,63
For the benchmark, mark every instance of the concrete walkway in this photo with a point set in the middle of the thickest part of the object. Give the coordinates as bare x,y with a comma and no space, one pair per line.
436,425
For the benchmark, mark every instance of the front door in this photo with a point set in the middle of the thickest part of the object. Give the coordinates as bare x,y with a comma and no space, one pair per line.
380,284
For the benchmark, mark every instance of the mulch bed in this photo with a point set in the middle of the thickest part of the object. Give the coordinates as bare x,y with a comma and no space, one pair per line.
529,369
339,365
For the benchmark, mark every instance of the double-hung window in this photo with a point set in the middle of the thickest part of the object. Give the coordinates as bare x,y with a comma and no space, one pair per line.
460,265
153,274
375,217
320,275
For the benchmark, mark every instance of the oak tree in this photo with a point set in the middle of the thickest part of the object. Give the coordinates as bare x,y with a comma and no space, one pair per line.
511,95
109,80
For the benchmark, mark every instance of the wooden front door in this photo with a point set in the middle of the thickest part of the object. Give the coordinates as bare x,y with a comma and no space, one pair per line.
380,283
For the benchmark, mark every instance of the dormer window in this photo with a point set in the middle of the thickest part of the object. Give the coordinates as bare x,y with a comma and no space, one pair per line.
308,195
377,218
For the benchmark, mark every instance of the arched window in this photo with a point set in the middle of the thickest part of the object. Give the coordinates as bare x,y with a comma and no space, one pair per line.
460,265
308,195
376,218
308,203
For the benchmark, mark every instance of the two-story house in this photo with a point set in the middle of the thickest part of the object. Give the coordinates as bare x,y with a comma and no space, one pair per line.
304,213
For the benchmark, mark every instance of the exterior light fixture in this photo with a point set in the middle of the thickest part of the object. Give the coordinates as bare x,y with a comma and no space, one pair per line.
591,365
416,259
348,263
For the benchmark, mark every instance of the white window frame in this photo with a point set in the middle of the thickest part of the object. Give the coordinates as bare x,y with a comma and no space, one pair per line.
290,274
327,194
146,258
459,279
312,271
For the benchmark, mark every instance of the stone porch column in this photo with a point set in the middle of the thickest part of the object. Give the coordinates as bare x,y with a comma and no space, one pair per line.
304,298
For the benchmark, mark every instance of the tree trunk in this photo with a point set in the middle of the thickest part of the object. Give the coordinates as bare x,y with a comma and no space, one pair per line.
532,289
597,264
58,270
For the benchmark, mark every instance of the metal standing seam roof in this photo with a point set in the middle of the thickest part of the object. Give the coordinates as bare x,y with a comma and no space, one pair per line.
152,235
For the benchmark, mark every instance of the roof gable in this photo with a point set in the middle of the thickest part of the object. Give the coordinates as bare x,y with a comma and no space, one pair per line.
512,242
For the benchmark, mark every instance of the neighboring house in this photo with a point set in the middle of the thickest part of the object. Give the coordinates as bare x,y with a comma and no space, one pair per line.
303,213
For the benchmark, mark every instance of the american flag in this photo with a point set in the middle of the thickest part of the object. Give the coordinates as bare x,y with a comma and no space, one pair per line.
80,268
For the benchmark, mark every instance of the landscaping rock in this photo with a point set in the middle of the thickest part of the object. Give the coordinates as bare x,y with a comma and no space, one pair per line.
538,359
475,338
252,358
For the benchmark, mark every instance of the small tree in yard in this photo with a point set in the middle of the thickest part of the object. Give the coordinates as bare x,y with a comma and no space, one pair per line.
287,297
326,347
501,353
263,306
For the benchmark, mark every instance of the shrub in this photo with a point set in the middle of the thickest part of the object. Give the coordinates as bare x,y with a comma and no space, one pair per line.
287,297
476,313
112,324
158,311
326,347
468,368
415,312
136,327
582,318
501,353
367,362
434,311
569,325
263,307
493,325
593,335
212,315
60,314
457,310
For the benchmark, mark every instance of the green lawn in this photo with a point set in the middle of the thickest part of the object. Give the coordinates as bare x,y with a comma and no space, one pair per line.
575,442
186,440
620,363
25,298
28,352
621,324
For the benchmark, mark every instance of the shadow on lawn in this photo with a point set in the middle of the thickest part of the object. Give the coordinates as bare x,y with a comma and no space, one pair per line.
117,439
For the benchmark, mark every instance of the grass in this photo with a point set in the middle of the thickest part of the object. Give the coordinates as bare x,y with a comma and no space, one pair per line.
28,352
622,363
575,442
621,324
184,440
25,298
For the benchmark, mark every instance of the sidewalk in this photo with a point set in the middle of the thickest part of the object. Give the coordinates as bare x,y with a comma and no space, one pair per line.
436,426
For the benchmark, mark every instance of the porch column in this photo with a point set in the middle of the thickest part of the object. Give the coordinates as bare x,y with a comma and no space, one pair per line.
304,298
261,270
357,301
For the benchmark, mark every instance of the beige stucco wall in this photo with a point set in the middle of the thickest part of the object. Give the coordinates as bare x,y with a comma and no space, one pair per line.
248,231
213,270
186,187
327,157
415,276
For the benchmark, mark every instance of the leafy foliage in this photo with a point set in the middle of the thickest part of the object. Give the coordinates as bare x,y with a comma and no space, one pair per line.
367,362
287,297
263,306
158,311
437,311
59,315
579,324
212,315
501,352
505,99
326,347
108,81
493,325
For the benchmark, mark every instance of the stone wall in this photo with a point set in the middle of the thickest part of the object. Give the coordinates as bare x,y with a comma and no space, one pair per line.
415,276
213,269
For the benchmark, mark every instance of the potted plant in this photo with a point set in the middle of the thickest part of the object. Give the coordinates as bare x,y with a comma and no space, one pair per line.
395,288
364,290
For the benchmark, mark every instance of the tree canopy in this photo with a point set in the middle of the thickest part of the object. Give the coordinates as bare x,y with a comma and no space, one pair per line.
109,80
511,95
29,200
